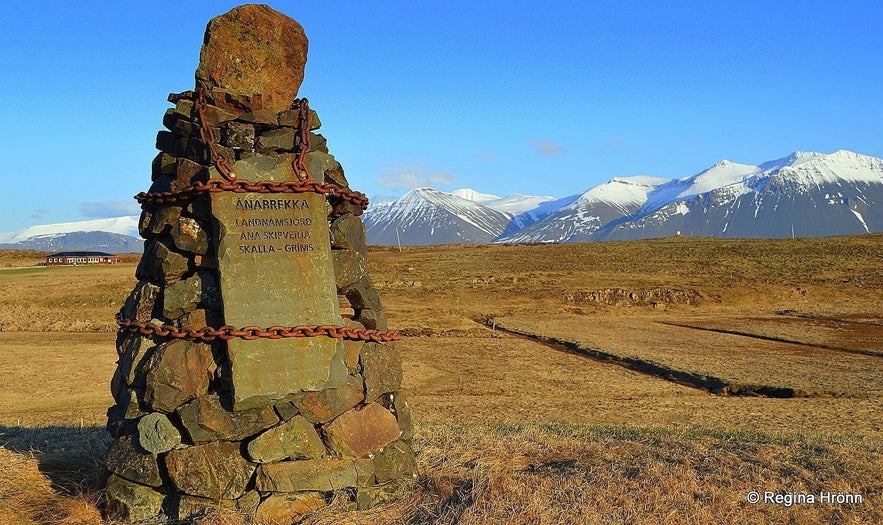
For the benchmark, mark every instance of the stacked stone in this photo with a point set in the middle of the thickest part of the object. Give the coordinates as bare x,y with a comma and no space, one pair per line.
181,449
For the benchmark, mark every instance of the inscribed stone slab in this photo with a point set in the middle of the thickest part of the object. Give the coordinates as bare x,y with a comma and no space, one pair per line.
274,260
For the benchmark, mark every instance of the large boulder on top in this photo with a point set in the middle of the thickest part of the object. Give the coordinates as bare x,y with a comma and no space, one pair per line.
253,49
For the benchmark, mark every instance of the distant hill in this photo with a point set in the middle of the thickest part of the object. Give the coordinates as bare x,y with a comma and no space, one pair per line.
804,194
115,235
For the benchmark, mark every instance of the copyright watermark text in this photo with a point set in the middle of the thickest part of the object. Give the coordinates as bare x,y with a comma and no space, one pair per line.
787,499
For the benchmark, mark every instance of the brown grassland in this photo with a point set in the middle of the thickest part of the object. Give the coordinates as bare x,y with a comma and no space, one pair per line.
626,382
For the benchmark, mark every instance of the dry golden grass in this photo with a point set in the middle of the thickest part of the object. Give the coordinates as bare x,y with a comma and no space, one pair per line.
59,378
20,258
539,473
510,430
63,298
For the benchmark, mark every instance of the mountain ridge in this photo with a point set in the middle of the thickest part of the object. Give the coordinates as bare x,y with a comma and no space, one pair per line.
812,193
803,193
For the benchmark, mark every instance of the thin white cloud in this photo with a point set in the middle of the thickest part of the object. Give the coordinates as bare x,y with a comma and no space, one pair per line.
103,210
410,176
547,148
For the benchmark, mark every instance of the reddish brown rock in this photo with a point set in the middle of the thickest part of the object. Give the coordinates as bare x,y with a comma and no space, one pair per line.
362,431
177,372
215,470
254,49
186,173
325,405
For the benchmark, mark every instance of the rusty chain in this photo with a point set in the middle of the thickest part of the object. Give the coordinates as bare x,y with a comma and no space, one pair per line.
208,138
299,165
244,186
304,184
249,333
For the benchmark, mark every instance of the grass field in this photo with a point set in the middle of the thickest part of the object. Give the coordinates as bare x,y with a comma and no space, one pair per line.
593,414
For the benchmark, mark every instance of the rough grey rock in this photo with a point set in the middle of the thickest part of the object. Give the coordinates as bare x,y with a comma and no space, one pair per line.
205,420
127,460
161,263
395,461
322,475
348,232
295,438
189,235
381,368
214,470
281,139
130,501
156,434
239,136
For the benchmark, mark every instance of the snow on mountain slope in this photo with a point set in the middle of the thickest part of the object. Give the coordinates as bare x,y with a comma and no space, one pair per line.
474,196
586,213
517,203
804,194
813,193
127,225
624,192
724,173
429,216
535,215
813,169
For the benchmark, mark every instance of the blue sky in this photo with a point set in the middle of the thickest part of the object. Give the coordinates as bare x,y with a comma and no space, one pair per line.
535,97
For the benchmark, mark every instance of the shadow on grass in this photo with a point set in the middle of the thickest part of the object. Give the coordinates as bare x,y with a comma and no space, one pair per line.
71,457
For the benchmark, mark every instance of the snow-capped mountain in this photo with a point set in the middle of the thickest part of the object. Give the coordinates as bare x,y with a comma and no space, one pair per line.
115,235
428,216
579,216
804,194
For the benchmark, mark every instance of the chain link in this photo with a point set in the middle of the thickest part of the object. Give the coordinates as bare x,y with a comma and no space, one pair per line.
243,186
304,184
250,333
208,137
299,165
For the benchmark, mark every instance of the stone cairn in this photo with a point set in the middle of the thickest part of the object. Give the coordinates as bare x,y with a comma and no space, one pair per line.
219,402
